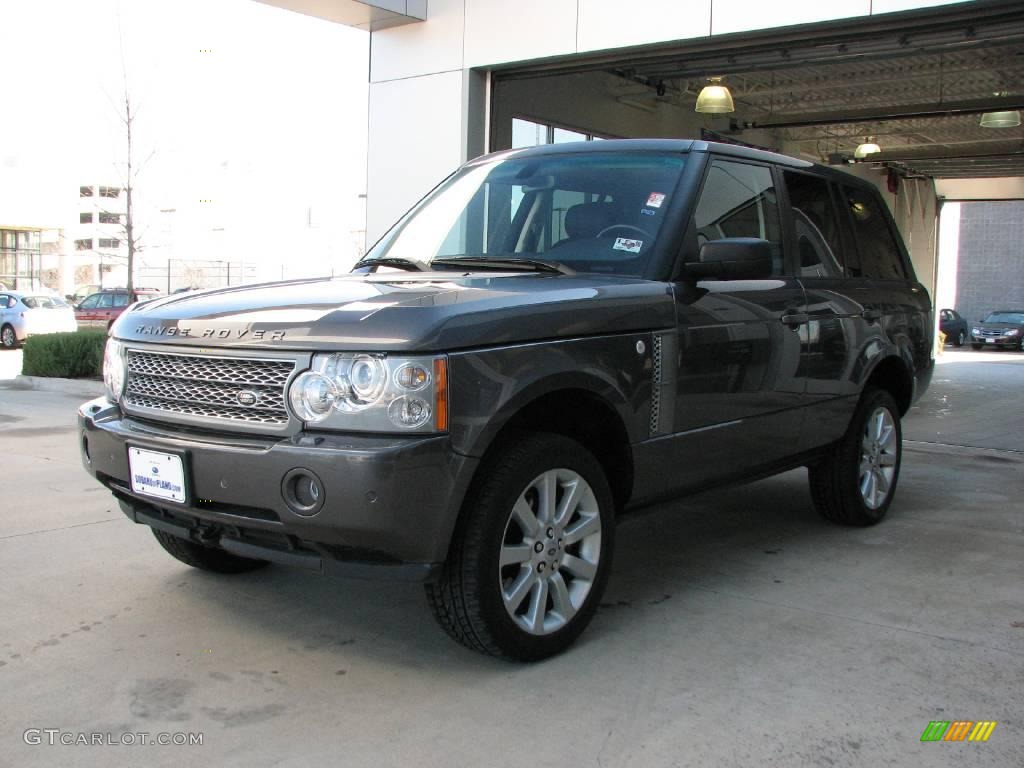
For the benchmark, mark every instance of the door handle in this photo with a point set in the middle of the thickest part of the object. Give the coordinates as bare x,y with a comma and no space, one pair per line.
871,315
794,319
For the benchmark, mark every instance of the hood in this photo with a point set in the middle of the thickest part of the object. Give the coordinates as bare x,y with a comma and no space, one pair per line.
422,312
998,326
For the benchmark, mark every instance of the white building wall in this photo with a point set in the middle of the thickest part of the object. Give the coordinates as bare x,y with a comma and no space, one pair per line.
427,114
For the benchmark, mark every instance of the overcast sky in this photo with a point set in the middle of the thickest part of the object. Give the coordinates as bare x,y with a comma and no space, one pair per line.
259,110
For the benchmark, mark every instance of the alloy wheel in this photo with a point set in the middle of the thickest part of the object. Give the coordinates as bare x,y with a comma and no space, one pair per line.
550,551
879,456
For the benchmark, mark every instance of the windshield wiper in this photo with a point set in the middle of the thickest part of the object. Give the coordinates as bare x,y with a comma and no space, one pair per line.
505,262
392,261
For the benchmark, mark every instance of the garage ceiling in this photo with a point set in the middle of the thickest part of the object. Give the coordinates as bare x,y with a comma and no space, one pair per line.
917,81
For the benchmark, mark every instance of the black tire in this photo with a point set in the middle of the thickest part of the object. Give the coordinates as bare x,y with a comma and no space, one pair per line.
961,339
836,481
8,338
977,346
467,600
205,558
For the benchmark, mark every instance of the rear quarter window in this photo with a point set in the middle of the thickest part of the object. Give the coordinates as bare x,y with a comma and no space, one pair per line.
877,254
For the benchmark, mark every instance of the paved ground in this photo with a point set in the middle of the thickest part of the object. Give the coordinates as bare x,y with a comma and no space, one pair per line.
738,628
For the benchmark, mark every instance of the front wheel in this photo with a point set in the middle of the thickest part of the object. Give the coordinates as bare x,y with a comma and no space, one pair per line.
855,484
976,346
532,551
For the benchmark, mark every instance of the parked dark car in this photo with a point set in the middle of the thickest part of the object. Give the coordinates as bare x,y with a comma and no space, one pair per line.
101,309
954,326
1003,329
552,337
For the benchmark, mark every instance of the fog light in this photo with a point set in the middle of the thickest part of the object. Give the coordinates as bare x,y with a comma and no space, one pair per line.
303,492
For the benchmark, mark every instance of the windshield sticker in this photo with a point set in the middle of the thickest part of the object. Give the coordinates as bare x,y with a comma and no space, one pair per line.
647,212
625,244
655,199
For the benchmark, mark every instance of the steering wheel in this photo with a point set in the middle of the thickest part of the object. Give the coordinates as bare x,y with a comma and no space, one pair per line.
630,227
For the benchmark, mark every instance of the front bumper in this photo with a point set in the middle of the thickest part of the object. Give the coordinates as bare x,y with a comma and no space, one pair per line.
996,341
389,508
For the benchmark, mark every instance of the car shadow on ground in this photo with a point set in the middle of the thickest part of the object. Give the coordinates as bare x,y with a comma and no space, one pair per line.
714,540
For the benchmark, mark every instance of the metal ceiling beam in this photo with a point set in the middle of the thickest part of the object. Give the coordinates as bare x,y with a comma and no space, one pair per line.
893,112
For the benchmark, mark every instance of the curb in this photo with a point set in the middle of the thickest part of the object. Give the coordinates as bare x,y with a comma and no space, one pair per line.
86,387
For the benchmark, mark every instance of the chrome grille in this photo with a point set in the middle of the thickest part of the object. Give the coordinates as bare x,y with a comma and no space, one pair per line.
208,387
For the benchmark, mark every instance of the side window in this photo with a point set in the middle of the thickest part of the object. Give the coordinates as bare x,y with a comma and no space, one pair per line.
3,301
120,299
877,248
815,225
738,200
90,302
106,301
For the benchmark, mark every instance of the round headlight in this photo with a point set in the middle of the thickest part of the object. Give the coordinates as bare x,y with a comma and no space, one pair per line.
412,377
312,396
368,376
113,370
409,412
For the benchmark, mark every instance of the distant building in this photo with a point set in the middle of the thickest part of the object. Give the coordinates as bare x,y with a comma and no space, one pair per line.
98,238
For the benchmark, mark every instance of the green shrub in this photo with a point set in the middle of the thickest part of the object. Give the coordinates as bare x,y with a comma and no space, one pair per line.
77,355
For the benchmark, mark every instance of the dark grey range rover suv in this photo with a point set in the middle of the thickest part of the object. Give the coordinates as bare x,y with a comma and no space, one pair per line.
551,337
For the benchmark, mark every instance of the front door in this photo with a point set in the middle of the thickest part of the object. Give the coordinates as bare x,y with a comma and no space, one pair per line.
739,388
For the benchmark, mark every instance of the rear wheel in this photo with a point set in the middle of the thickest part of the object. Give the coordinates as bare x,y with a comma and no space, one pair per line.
8,337
532,551
960,339
855,484
205,558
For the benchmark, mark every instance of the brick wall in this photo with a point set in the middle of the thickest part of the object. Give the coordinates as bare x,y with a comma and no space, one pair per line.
990,272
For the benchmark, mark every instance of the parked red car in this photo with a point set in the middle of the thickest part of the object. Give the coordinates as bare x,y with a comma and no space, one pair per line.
99,310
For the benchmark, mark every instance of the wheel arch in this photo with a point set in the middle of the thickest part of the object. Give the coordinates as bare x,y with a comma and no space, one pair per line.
894,376
574,410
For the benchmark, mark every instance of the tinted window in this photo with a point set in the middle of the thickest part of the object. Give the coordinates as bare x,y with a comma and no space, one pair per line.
878,255
90,302
106,301
815,225
120,299
738,200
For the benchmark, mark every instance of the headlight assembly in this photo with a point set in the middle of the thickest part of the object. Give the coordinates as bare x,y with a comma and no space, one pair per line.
113,370
373,393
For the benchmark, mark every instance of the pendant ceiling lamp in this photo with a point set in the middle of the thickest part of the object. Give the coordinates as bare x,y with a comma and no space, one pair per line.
869,147
714,98
1008,119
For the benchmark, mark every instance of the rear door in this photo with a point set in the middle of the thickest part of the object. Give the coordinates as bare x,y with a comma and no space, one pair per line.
739,386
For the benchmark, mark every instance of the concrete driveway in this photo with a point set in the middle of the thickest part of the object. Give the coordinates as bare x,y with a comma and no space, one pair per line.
738,628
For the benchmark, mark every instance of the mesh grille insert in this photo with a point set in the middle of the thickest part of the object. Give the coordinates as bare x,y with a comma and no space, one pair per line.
209,387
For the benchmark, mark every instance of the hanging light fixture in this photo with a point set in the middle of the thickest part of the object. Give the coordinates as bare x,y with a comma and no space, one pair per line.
1002,119
714,98
867,148
1008,119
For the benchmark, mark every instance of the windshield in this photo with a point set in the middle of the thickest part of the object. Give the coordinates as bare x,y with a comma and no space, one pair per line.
596,212
1005,317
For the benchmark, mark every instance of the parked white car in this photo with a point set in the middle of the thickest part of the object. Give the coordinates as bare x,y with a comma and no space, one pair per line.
29,314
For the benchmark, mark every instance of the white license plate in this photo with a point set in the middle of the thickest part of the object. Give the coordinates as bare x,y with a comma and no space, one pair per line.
990,341
157,474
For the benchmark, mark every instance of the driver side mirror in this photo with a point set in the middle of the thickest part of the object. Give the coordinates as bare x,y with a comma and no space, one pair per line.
732,258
